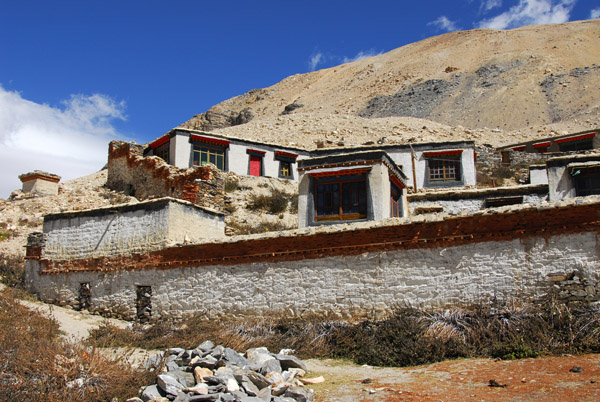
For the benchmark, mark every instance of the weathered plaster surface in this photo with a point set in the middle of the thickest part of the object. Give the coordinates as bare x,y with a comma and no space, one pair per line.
132,229
367,283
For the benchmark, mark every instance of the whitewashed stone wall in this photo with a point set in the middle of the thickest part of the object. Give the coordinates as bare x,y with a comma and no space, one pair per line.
369,283
128,229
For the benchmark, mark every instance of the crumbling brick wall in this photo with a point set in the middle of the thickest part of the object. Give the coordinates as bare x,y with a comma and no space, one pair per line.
151,177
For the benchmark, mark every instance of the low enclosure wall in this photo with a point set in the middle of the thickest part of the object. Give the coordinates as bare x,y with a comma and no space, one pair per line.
523,254
126,229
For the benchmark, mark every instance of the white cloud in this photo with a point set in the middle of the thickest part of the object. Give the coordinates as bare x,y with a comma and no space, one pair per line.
361,55
444,24
487,5
595,13
71,140
315,60
531,12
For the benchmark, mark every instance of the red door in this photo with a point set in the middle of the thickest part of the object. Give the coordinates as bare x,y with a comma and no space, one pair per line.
255,162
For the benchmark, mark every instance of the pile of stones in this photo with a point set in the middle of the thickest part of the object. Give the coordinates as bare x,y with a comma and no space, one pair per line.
217,373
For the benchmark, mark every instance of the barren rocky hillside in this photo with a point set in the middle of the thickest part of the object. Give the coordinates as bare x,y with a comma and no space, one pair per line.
491,86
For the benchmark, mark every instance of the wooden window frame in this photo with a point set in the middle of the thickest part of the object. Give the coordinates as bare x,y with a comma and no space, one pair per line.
199,149
395,200
341,216
449,169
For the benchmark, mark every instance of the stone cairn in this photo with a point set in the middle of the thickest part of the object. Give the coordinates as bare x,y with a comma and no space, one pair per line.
217,373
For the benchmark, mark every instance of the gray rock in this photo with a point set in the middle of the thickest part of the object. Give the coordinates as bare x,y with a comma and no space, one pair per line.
265,394
172,366
270,366
215,380
248,386
208,362
299,394
175,351
183,377
282,399
234,358
206,346
288,361
182,397
279,389
151,392
238,395
215,389
169,384
227,398
258,379
210,397
217,352
251,399
258,355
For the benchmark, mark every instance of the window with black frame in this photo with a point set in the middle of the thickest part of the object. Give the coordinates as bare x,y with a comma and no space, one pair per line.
587,181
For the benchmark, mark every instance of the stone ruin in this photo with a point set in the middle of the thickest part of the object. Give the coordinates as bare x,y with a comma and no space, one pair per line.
151,177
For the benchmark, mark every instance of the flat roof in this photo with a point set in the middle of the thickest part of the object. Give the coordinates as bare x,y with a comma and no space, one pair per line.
554,138
154,204
565,160
339,160
416,145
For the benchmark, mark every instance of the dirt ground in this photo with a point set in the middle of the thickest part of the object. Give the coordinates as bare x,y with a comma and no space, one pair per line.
541,379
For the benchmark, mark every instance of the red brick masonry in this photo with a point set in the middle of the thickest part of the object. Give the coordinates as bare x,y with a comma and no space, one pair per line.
454,231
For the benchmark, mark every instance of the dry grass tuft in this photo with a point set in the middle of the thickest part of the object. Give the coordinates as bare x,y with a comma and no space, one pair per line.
12,270
37,365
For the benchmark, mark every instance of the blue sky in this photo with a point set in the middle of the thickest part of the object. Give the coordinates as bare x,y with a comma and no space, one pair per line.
76,74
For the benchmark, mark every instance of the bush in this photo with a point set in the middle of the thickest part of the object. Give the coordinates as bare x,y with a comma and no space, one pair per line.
231,185
274,203
12,270
115,198
408,337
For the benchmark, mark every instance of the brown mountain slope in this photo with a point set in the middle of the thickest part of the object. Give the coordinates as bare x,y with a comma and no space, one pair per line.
524,81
